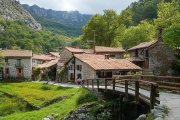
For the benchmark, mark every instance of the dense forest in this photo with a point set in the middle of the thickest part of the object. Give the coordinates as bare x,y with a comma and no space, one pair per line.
138,23
17,35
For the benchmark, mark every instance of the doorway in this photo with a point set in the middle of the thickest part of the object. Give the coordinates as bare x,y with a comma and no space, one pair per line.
19,72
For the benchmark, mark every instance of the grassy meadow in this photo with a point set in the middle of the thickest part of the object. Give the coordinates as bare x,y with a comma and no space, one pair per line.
11,108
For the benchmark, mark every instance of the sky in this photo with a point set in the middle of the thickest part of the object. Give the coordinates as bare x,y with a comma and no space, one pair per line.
83,6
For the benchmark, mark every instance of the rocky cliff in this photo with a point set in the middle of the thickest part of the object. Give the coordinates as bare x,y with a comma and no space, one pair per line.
66,18
12,10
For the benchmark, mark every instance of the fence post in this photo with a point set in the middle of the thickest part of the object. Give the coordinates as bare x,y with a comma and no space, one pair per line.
152,97
92,84
126,89
114,85
106,84
97,84
137,91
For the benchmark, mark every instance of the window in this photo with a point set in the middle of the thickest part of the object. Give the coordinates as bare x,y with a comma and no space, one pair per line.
18,62
7,71
71,67
147,54
79,67
6,61
136,53
112,56
79,76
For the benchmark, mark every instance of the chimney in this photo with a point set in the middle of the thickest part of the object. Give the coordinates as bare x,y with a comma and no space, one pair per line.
159,34
107,56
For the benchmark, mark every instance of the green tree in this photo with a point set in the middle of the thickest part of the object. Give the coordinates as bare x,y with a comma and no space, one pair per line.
1,60
107,26
168,14
134,35
172,36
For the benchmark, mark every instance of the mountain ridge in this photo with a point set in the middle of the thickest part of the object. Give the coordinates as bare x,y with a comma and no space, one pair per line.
65,22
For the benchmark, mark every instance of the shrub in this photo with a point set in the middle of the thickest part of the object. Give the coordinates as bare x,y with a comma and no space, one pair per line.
45,87
86,96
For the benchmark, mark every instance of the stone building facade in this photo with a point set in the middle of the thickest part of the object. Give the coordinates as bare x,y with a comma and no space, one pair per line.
18,63
91,66
154,57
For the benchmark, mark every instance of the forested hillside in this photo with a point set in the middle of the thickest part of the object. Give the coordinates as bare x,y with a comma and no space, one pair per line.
138,23
19,30
17,35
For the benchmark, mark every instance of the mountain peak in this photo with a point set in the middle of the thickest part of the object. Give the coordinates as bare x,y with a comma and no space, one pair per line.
13,11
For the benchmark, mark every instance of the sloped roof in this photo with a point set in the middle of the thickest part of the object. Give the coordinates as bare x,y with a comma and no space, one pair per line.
98,62
74,50
135,59
108,49
143,45
46,65
56,54
88,51
42,57
16,53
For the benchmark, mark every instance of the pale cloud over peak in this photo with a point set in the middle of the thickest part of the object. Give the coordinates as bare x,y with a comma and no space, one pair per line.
83,6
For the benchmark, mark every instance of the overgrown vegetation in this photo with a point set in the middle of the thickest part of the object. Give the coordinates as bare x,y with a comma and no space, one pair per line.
33,91
136,24
36,93
17,35
10,105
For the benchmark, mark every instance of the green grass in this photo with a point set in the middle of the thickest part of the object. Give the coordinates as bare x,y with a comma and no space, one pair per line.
11,108
61,108
11,105
36,93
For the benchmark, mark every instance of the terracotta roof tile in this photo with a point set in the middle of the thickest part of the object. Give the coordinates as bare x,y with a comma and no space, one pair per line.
143,45
98,62
108,49
56,54
16,53
74,50
42,57
46,65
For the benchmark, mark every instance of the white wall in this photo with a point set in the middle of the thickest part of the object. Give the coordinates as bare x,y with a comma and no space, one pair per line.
87,72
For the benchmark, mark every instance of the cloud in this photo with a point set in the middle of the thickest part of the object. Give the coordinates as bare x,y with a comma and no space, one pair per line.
83,6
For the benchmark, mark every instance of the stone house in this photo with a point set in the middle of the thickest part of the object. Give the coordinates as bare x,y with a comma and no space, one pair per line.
50,66
116,53
91,66
40,59
69,52
18,63
155,57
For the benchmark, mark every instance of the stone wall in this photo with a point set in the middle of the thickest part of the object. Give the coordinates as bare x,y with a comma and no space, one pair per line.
26,64
160,59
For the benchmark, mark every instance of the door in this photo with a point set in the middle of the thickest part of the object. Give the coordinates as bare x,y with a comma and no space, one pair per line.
146,65
72,76
19,72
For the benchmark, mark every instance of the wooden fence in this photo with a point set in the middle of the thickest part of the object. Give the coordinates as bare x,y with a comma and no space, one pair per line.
129,87
164,82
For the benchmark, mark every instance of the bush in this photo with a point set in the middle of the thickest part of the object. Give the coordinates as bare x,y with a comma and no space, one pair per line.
46,87
86,96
